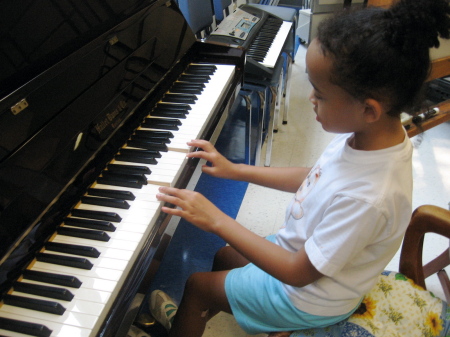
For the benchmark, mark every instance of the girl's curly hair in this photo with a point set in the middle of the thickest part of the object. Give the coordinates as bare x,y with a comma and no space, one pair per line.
384,53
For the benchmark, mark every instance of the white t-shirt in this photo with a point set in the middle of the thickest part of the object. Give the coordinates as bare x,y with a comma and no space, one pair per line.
350,214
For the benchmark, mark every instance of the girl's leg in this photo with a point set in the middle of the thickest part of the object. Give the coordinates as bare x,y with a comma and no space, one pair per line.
204,294
228,258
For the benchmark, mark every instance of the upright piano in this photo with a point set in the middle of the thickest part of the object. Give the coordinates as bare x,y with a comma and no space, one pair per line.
97,101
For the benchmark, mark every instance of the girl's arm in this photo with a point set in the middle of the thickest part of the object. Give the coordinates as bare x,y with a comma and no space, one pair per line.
286,179
293,268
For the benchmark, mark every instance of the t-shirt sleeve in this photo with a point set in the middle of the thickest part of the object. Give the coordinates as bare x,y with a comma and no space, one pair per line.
348,226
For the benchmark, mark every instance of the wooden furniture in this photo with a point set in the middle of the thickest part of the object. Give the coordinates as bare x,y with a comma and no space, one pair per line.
426,219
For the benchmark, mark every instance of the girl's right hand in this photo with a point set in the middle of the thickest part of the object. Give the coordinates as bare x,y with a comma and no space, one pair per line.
220,167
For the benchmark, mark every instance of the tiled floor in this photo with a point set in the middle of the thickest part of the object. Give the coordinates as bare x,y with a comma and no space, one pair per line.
300,142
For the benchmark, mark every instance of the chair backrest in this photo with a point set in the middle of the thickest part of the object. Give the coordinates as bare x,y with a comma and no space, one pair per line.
219,7
198,14
425,219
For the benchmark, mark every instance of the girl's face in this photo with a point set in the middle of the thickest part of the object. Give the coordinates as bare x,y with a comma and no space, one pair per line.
335,108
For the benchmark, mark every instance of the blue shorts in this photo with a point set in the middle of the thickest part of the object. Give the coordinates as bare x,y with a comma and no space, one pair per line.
260,305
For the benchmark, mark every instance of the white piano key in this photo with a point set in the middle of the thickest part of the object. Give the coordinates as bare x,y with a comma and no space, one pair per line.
96,272
87,301
146,193
84,310
194,124
116,243
132,215
112,253
100,262
120,234
58,329
86,283
277,45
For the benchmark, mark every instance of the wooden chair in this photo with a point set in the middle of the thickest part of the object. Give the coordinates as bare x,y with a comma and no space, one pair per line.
426,219
412,293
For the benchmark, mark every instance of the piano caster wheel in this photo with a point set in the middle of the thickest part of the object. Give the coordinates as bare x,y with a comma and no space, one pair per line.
284,122
145,320
137,332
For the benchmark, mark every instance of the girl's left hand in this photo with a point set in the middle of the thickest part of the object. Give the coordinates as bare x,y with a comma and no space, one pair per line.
193,207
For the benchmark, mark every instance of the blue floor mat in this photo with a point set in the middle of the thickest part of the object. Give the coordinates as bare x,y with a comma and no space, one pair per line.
191,249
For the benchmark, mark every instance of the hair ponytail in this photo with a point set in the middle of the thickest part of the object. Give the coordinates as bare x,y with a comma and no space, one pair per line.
417,24
384,53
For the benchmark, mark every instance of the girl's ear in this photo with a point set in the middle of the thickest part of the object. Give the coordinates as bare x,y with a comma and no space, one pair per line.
373,110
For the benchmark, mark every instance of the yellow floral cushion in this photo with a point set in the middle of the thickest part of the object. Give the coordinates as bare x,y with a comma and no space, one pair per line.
395,307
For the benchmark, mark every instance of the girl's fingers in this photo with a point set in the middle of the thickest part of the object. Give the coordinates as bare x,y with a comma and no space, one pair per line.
203,144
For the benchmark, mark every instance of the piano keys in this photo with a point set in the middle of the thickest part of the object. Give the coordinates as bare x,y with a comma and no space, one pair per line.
87,220
261,34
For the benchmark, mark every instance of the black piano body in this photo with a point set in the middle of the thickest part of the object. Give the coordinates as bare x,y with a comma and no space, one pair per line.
76,79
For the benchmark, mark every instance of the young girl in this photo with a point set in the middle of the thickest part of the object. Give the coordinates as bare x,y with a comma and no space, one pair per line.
349,212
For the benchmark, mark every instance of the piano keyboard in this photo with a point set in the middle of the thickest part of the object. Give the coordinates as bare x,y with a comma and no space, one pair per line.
268,44
265,40
70,286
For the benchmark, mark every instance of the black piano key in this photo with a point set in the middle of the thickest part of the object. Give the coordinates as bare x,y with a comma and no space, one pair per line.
83,233
131,169
50,307
142,152
179,89
148,144
117,194
154,134
194,78
58,279
106,202
161,123
174,107
201,68
96,215
44,291
140,178
179,98
63,260
92,224
168,113
32,329
151,137
116,181
187,85
135,159
72,249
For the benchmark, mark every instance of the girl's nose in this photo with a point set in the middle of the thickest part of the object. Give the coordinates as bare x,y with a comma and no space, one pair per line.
312,98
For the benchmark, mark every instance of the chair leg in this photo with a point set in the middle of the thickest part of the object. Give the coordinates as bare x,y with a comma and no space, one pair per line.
260,131
287,90
279,95
270,127
445,282
246,95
